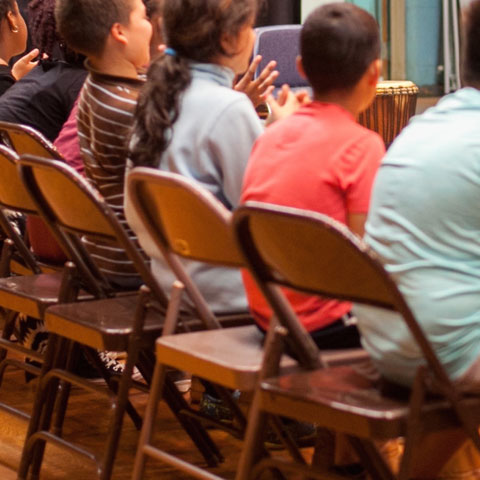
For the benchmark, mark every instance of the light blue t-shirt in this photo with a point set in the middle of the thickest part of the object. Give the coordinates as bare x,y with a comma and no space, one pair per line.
424,222
210,143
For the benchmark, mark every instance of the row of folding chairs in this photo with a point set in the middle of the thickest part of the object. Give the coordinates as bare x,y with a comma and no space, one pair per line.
282,248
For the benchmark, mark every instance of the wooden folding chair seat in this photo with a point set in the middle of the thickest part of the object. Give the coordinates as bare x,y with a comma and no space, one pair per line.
316,255
230,358
115,321
25,285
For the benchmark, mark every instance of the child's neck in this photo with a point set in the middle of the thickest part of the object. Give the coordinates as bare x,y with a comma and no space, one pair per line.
113,65
350,100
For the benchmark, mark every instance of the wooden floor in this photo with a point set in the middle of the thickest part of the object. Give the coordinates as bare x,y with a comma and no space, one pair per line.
87,422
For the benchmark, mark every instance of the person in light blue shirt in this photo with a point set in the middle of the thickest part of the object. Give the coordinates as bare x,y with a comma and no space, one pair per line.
191,121
424,222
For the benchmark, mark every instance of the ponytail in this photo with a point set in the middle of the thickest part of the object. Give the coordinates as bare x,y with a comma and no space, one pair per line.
158,108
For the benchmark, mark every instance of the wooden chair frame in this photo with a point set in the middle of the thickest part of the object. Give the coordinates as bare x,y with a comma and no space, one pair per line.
202,233
26,285
230,358
69,325
326,259
26,140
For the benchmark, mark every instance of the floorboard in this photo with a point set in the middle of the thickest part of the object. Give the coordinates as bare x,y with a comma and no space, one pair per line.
87,422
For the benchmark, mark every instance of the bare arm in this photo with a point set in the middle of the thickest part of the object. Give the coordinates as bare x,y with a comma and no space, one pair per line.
356,223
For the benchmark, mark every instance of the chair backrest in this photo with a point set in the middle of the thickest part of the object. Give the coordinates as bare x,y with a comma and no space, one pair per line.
26,140
282,44
72,208
184,219
14,198
315,254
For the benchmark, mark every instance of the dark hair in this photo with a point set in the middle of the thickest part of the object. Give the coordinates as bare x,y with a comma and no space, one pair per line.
43,31
85,24
154,7
5,7
338,42
193,29
471,42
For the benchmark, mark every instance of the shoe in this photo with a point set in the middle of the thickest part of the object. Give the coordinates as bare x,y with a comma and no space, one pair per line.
30,333
114,362
304,434
215,409
111,362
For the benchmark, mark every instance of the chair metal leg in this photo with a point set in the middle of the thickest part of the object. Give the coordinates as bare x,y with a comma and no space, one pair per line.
253,448
121,402
44,395
371,459
64,390
148,421
7,332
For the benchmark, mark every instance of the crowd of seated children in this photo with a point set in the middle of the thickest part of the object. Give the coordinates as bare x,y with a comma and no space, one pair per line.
44,97
320,158
117,51
13,41
186,118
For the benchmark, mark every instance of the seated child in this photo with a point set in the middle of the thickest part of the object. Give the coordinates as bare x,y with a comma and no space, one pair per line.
189,120
320,158
117,46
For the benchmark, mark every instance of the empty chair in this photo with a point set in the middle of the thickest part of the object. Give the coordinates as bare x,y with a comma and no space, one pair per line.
315,254
26,285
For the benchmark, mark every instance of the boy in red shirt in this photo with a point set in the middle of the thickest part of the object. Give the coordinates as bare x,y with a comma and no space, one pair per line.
320,158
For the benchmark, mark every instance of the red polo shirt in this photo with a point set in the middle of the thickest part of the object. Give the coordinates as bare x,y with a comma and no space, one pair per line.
318,159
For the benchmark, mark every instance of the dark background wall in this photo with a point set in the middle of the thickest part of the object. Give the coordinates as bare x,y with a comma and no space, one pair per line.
279,12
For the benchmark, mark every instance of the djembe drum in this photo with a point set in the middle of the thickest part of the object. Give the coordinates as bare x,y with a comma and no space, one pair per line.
394,104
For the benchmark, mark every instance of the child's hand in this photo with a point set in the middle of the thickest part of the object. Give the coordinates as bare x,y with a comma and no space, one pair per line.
259,89
25,64
286,103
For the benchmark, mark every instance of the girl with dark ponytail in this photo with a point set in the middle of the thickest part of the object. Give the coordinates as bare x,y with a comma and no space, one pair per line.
190,120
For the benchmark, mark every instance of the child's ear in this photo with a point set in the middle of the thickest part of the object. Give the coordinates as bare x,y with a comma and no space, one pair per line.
118,34
299,64
374,71
12,21
228,43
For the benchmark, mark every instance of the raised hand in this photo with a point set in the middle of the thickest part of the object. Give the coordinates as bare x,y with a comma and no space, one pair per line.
260,88
25,64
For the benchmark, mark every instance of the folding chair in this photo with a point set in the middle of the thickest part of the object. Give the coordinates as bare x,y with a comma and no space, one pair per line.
316,255
26,285
227,357
26,140
282,44
124,323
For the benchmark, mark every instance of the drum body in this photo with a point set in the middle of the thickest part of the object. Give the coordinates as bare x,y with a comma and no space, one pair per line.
394,105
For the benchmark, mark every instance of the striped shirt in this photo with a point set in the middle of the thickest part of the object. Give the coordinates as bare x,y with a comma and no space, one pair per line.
105,117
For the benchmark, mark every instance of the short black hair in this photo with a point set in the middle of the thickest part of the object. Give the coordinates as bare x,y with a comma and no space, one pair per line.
5,7
337,43
85,24
471,43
